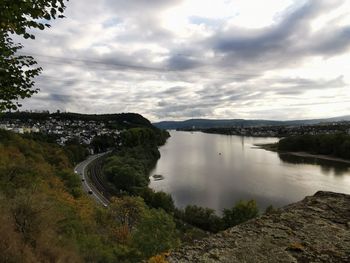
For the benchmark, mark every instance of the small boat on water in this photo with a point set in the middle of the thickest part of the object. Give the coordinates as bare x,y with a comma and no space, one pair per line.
158,177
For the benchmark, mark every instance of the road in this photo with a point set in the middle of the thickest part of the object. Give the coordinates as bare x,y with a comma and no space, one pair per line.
88,186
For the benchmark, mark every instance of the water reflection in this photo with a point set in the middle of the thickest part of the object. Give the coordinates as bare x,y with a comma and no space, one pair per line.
216,171
327,166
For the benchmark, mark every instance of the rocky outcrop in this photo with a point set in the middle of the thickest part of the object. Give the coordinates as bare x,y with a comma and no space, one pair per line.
316,229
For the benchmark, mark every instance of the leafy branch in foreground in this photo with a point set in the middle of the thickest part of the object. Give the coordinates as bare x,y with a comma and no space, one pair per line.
17,72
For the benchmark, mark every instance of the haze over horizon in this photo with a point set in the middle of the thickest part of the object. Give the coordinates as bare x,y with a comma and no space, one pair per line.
182,59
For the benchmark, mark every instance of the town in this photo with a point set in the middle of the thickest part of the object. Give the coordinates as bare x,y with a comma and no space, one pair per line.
61,128
281,130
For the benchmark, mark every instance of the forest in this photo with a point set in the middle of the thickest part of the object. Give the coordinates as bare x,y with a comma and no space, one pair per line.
46,217
337,145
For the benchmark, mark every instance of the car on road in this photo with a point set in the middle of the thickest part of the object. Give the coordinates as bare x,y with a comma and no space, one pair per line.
90,192
83,180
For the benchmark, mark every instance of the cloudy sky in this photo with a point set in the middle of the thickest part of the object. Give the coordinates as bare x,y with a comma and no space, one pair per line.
178,59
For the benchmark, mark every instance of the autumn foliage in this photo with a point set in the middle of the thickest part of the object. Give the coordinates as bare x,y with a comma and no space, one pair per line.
45,216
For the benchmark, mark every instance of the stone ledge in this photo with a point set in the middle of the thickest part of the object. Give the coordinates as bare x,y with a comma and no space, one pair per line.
316,229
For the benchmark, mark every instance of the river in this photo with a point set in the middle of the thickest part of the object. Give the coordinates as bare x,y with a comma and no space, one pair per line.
216,171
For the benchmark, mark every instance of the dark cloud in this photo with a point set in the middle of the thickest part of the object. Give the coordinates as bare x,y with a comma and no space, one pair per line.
290,40
173,90
299,86
187,110
181,63
332,42
60,98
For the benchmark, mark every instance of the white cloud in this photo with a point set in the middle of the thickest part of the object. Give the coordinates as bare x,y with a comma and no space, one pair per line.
171,59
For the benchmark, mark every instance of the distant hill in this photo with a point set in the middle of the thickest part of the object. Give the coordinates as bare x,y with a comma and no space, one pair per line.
122,120
212,123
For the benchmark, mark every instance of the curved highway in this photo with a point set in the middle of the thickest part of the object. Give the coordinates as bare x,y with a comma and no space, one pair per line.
89,185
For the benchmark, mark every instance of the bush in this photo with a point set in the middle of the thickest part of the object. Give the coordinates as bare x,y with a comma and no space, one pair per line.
158,199
241,212
156,233
204,218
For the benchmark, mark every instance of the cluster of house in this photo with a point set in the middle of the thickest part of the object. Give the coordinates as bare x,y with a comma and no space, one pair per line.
64,130
298,130
281,131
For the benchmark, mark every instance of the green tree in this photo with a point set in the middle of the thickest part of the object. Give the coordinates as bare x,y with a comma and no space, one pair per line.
158,199
17,72
127,211
156,233
102,143
241,212
71,182
204,218
76,153
126,178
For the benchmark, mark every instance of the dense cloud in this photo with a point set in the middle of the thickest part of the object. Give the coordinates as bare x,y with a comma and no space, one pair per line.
164,60
289,41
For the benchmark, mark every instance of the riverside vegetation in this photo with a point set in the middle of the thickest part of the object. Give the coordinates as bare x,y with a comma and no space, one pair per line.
337,145
46,217
128,172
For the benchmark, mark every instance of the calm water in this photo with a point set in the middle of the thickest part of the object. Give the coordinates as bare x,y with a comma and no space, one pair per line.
217,170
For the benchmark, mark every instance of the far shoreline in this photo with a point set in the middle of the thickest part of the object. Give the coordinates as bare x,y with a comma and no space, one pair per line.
273,148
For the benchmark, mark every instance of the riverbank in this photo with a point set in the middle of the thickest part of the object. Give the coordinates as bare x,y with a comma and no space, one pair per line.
274,148
267,146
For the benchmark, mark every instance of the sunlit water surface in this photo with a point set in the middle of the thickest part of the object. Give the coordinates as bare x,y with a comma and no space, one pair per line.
216,171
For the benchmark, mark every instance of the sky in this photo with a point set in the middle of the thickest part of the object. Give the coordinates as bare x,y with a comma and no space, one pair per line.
180,59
